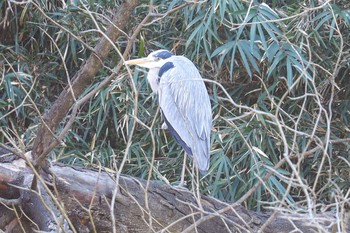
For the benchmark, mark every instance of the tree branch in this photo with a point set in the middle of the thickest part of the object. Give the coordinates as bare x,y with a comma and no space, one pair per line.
86,194
80,81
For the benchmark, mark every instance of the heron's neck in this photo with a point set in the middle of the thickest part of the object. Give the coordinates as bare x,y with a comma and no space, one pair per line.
153,79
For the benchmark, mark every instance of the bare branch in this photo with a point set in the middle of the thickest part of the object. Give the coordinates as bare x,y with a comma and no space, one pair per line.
42,144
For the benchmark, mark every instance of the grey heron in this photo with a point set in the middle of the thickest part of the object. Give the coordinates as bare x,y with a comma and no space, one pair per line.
183,100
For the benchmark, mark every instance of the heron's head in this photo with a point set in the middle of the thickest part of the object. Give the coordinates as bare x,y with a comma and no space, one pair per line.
155,59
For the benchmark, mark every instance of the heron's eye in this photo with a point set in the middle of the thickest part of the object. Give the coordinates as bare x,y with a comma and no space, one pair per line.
156,58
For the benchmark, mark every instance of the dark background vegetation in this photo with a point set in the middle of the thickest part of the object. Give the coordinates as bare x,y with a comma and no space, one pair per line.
278,77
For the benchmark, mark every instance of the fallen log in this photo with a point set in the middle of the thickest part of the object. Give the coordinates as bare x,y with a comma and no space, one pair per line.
78,200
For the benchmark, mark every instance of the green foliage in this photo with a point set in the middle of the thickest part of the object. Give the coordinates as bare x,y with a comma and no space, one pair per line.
283,64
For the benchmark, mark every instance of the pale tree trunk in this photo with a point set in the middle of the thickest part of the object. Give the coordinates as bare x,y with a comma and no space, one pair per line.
78,200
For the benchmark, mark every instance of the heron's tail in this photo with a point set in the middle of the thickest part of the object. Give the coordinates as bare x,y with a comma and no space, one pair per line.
202,157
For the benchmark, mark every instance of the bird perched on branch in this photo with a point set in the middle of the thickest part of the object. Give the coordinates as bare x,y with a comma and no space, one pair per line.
183,100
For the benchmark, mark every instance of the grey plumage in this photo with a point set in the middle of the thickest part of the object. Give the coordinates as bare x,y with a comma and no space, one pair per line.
184,102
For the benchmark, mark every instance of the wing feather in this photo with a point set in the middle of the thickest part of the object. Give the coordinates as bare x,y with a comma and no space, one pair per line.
185,104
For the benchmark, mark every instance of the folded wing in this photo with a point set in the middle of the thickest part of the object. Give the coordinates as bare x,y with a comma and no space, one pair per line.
185,105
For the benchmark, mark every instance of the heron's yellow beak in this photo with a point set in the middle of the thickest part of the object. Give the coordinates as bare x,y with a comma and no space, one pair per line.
139,61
